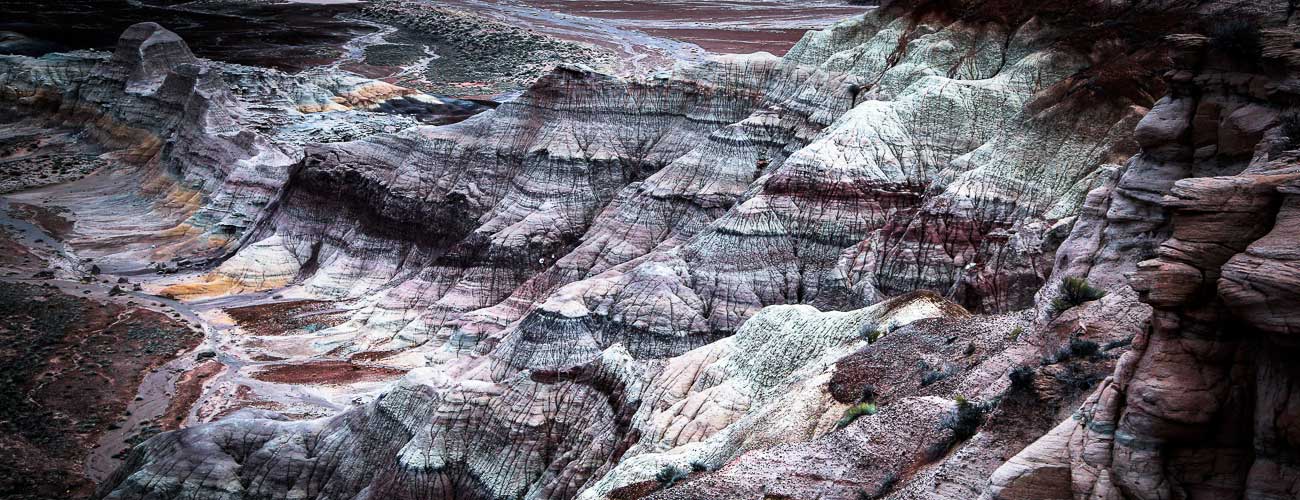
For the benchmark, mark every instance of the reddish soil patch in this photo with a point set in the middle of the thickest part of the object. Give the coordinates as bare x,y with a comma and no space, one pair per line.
70,366
188,389
48,219
326,372
281,318
246,398
733,41
635,490
15,257
373,356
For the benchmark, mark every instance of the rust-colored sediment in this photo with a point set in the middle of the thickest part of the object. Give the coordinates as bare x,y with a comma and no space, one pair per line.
47,219
326,372
73,365
279,318
188,389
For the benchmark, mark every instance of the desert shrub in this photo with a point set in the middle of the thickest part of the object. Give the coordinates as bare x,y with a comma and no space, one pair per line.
698,466
964,421
1116,344
1076,380
876,332
1075,292
1015,333
1076,348
885,487
1081,348
854,412
1238,38
669,475
869,394
1290,124
1022,378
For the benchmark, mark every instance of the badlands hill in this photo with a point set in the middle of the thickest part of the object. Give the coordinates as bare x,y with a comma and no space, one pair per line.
944,249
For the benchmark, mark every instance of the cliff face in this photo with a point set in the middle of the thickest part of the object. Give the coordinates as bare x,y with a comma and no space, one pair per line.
612,288
1200,408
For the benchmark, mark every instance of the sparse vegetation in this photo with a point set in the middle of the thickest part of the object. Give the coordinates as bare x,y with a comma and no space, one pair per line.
1080,348
1076,380
670,475
854,412
885,487
964,421
1116,344
1076,348
875,332
868,394
1015,333
1075,292
698,466
1022,378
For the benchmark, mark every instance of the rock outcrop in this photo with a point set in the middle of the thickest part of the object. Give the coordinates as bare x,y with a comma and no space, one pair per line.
893,263
1198,408
543,261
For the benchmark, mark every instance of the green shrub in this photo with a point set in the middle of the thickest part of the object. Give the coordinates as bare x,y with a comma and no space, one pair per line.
1075,292
1076,348
1022,378
698,466
1080,348
1116,344
964,421
854,412
1075,380
669,475
876,332
1015,333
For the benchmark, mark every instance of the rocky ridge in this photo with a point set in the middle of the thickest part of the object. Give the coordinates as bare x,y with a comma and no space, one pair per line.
597,279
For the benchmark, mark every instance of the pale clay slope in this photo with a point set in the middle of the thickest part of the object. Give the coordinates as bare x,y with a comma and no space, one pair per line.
642,296
567,266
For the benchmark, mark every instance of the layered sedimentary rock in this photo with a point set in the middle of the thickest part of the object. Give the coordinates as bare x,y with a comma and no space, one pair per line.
707,283
209,143
1199,408
547,259
185,153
